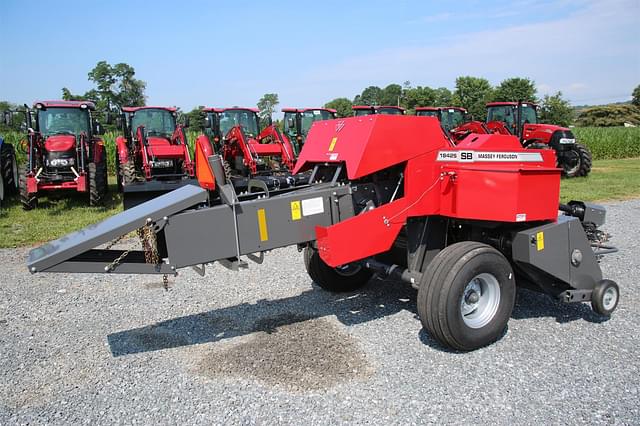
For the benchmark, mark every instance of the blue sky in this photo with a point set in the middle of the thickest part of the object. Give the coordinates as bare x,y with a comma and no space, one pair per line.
231,53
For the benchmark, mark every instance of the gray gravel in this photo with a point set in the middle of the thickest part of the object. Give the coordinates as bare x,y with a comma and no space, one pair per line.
266,346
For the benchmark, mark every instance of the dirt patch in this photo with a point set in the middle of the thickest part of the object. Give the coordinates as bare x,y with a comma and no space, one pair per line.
290,352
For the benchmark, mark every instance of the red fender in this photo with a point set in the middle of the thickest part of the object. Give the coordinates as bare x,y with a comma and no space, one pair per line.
122,151
98,151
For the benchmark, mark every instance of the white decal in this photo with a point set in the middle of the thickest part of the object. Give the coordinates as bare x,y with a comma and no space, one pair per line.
483,156
312,206
333,157
521,217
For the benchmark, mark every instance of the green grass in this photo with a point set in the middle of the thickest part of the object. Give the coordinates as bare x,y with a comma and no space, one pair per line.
609,180
53,218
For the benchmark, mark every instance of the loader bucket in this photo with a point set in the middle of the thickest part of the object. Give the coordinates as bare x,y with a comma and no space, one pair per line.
73,253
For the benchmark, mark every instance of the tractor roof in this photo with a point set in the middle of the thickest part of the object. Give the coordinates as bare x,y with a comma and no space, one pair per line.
256,110
355,107
65,104
492,104
331,110
440,108
134,109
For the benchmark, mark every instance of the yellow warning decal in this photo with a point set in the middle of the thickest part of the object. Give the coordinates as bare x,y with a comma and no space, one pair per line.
296,211
333,143
262,225
540,241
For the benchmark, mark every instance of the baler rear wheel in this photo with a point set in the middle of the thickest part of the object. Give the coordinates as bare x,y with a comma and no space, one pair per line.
336,280
466,295
97,183
8,169
605,297
29,201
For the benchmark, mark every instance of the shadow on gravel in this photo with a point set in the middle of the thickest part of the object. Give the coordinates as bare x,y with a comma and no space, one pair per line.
530,304
377,299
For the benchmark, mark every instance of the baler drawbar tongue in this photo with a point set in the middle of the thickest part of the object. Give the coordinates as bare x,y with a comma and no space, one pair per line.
76,249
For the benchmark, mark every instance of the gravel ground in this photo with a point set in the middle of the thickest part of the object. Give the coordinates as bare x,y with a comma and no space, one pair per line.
266,346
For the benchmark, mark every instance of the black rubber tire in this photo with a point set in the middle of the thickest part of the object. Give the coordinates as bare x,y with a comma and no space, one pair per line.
228,173
118,174
329,278
97,183
442,287
585,160
29,201
8,169
128,170
598,297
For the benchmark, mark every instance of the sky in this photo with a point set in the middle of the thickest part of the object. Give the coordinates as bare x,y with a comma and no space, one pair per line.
216,53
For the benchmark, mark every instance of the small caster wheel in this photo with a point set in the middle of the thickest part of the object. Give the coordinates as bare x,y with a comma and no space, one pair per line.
605,296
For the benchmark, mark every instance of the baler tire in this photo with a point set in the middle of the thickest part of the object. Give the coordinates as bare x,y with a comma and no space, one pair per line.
128,170
9,169
605,297
329,278
97,184
585,160
29,201
454,274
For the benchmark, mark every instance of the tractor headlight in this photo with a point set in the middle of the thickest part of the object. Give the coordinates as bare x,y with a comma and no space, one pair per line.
566,141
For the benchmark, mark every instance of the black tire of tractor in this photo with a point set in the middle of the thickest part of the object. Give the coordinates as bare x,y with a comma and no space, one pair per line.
128,172
97,183
9,169
118,174
585,160
444,284
29,201
227,171
331,279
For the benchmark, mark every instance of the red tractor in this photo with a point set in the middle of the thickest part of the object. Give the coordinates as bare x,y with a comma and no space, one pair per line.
521,119
359,110
64,152
449,117
298,121
248,153
153,155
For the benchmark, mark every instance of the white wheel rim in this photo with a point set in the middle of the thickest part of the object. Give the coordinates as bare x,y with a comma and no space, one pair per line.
609,298
480,300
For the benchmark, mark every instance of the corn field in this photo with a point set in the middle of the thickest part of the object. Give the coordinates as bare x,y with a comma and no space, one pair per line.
604,142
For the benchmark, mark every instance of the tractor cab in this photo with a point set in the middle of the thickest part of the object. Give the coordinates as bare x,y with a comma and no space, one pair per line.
449,117
514,115
359,110
220,121
159,123
297,123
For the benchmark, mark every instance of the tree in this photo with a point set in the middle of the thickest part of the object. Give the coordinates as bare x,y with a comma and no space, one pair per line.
473,93
635,100
196,117
391,95
515,89
555,110
116,86
267,105
443,97
342,107
17,118
609,115
419,96
372,95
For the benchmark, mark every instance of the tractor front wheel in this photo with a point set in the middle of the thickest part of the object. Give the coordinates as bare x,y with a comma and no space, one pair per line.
29,201
97,183
118,174
466,295
576,161
8,169
336,280
128,172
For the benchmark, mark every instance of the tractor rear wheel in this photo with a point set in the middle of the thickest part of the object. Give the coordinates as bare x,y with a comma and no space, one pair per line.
466,295
97,183
29,201
336,280
8,169
128,172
